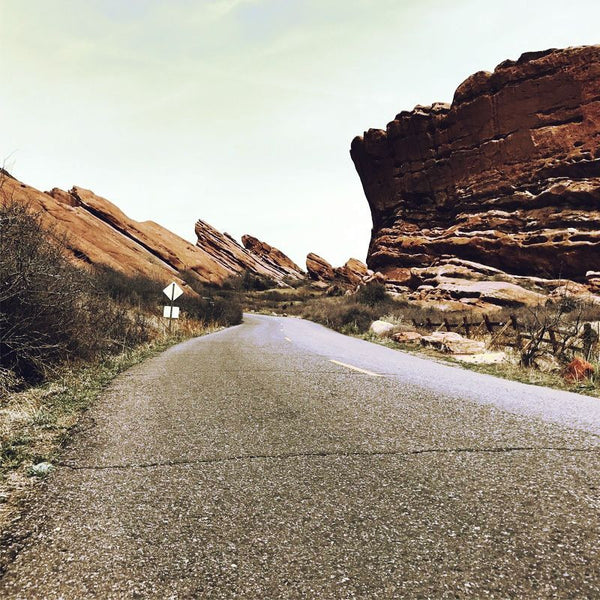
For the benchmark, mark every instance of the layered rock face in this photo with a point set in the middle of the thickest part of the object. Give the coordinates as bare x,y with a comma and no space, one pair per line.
508,176
273,257
258,258
318,268
99,233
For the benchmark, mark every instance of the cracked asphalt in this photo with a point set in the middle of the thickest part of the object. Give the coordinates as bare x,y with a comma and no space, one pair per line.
247,464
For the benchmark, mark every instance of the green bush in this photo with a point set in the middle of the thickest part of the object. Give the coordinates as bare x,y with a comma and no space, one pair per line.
356,319
371,294
213,309
137,291
213,304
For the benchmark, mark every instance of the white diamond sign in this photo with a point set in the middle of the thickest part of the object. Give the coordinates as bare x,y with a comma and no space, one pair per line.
172,291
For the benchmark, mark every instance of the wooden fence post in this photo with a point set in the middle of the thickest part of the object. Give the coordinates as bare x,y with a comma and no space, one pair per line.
467,326
553,341
515,325
488,324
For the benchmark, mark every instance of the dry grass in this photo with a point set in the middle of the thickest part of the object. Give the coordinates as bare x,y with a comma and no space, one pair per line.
509,369
348,315
35,423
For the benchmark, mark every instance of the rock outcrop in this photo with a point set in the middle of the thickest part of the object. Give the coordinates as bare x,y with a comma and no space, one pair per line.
349,276
273,257
507,176
353,273
318,269
452,342
226,251
99,233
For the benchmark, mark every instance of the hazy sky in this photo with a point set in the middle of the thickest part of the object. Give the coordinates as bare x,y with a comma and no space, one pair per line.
241,112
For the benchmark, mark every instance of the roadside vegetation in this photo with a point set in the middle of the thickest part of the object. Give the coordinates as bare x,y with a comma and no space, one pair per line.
534,361
65,332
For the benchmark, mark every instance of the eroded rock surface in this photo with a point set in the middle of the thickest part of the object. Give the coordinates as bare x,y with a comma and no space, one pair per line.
225,250
353,273
452,342
507,176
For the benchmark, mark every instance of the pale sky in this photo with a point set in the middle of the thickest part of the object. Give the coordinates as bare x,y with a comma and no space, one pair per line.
241,112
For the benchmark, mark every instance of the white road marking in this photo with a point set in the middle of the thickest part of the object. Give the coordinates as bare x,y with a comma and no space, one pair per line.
287,339
337,362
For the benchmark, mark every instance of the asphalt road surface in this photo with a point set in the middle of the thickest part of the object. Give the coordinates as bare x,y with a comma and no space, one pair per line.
260,462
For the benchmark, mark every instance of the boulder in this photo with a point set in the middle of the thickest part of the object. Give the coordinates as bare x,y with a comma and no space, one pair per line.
452,342
381,328
352,273
407,337
485,358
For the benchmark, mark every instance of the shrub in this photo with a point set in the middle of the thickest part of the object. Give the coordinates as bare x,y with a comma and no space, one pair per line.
213,309
248,281
136,291
371,294
342,314
561,323
50,310
356,319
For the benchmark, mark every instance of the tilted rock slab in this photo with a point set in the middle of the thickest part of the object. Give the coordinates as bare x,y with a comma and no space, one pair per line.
269,255
226,251
98,233
318,268
508,175
351,275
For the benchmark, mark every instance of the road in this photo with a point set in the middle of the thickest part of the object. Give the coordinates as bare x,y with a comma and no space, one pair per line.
249,464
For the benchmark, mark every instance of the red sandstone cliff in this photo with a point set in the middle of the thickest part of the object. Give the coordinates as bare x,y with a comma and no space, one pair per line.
508,175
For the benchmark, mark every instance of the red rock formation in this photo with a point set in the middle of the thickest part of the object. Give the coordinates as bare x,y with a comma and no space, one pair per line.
273,257
98,233
228,252
318,268
507,176
578,369
351,275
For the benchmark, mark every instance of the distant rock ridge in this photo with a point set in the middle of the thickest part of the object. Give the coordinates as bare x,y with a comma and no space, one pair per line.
257,257
273,257
507,176
353,274
99,233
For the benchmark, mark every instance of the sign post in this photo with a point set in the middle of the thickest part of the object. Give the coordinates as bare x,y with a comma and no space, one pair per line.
172,292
